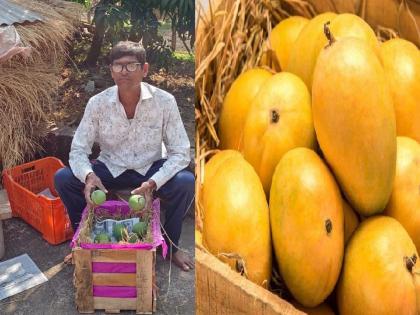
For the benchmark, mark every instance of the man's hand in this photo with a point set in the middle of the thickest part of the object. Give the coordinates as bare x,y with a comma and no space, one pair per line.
146,189
92,181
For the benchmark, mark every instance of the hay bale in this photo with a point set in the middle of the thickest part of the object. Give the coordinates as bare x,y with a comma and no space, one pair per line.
49,38
28,86
25,100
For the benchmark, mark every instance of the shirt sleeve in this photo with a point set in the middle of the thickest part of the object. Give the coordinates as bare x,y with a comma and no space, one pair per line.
81,146
176,143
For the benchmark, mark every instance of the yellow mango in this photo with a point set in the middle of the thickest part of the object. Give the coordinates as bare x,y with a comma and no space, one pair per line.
378,271
236,105
280,120
284,35
355,122
401,60
404,204
307,223
236,226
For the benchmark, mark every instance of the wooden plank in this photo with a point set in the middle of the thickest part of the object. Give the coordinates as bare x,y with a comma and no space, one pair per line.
144,274
115,279
113,304
220,290
5,210
112,255
83,280
154,282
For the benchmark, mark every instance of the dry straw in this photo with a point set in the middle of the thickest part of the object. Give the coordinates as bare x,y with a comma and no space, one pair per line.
25,98
28,86
232,38
87,226
50,37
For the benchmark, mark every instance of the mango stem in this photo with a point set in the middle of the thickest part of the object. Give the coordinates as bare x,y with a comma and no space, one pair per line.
328,34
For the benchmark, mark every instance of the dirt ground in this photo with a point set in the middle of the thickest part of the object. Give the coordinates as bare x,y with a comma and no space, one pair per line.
56,296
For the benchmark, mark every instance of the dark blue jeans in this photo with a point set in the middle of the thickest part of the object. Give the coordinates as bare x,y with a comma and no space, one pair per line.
176,195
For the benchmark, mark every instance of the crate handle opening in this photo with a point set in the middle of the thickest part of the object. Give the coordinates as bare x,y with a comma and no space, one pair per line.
28,169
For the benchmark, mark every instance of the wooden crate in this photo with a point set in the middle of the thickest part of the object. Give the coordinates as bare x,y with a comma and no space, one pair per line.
143,279
220,290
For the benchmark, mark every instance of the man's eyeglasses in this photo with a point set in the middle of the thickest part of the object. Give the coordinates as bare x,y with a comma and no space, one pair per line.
130,67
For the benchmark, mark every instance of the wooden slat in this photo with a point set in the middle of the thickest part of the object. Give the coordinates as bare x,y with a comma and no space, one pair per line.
83,280
220,290
144,269
115,279
154,282
5,210
112,255
113,304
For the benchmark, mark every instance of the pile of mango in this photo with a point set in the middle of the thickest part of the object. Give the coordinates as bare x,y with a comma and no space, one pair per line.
320,165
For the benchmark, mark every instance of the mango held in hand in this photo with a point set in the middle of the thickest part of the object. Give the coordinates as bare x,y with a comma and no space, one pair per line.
98,197
137,202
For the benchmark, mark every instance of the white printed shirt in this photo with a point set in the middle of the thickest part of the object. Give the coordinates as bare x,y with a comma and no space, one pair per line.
131,144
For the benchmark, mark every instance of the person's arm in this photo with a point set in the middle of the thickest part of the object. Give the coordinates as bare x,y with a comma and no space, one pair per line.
177,145
178,149
81,146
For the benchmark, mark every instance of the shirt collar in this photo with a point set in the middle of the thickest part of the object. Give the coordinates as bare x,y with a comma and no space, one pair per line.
145,94
145,91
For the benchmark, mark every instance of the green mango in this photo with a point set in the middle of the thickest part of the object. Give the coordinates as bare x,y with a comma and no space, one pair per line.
118,231
102,238
140,228
137,202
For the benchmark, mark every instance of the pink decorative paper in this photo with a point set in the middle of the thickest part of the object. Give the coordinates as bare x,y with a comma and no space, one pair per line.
114,206
105,267
115,292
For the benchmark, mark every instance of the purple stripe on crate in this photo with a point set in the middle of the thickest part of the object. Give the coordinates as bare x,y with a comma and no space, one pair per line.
116,292
101,267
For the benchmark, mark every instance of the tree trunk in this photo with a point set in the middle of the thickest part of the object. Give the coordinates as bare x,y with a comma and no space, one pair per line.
173,27
192,40
98,36
136,18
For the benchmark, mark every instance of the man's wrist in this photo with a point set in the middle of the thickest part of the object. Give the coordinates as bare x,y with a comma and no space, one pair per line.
152,183
87,176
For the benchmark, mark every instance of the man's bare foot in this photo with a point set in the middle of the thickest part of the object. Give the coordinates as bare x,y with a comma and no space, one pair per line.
68,260
182,260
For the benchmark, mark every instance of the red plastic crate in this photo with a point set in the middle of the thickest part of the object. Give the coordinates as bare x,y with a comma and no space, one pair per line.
46,215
